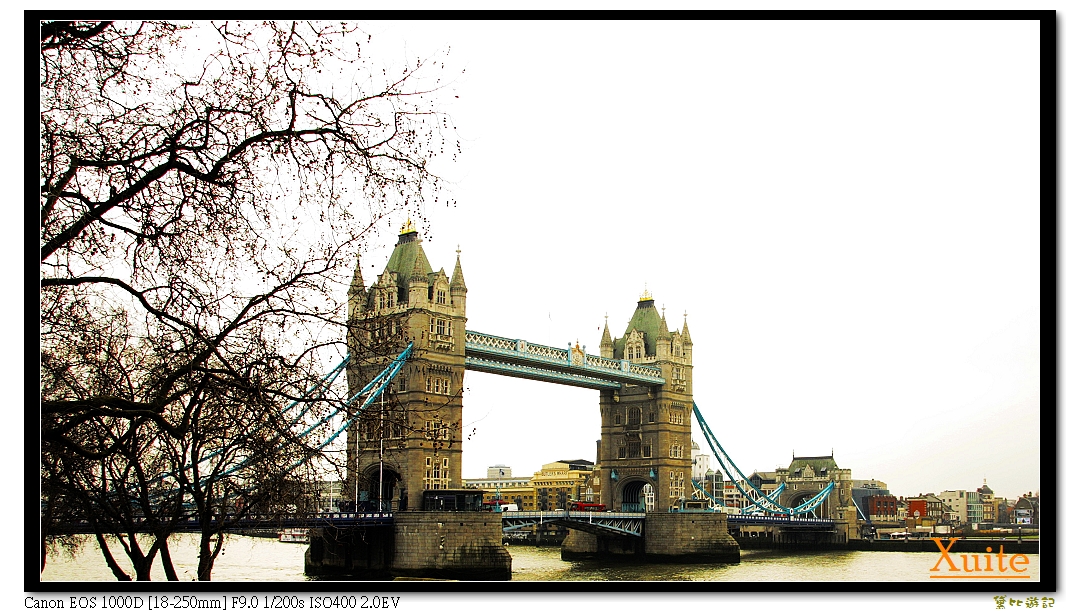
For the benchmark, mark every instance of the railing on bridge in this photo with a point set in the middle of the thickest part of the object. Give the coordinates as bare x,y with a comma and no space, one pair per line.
498,355
612,523
307,519
786,521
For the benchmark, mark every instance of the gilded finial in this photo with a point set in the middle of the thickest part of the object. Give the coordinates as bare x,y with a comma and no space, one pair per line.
645,295
407,227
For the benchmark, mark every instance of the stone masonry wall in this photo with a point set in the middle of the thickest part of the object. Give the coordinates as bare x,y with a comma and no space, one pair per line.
450,545
689,537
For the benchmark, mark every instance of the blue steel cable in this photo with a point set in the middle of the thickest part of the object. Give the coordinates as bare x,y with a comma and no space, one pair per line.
714,444
385,376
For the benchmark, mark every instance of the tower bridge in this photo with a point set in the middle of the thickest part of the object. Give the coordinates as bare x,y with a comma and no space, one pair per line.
412,442
644,379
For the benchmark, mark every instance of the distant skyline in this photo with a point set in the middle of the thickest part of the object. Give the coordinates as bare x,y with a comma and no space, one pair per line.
854,237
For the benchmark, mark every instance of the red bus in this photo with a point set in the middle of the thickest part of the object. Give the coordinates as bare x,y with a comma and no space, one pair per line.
579,506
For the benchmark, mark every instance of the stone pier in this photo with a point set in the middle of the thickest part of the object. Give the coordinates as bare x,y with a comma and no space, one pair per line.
450,545
676,537
443,545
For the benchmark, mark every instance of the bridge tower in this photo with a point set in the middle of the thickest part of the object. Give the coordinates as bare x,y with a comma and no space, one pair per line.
410,440
644,460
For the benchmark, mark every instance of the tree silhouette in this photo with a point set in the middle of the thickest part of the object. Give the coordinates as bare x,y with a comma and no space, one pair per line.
205,190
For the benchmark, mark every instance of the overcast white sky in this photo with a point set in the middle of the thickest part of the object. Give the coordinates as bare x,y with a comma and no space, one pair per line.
848,212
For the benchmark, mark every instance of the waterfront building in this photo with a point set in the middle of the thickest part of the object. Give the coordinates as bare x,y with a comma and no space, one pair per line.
882,508
551,488
986,499
713,484
1026,510
925,510
499,471
954,507
974,508
863,490
699,462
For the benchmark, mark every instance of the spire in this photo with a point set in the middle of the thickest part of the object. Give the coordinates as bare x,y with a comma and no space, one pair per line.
664,332
458,280
607,347
357,286
685,330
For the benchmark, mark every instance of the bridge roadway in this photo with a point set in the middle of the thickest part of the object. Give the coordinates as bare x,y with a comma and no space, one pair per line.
597,523
569,366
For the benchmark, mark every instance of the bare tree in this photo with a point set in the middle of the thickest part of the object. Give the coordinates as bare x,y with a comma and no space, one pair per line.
204,193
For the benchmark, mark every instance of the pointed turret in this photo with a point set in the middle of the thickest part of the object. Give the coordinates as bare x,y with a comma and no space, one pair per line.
356,294
457,281
357,286
418,284
607,347
687,344
457,285
663,338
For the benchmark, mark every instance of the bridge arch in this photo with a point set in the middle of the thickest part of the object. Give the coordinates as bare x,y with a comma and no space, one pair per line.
393,493
636,494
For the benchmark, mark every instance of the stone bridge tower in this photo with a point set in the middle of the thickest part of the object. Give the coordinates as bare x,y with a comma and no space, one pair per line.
410,441
644,460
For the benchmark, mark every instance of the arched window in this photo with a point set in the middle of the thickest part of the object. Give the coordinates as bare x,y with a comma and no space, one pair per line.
650,497
633,416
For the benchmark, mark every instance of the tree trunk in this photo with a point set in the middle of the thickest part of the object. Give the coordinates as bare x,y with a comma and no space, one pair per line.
119,573
206,556
166,560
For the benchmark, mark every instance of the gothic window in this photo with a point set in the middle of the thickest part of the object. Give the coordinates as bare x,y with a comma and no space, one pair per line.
634,449
440,296
633,416
618,417
650,497
646,450
675,416
676,451
437,430
675,485
622,452
436,472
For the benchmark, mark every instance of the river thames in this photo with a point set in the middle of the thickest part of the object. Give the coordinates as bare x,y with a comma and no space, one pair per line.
248,559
